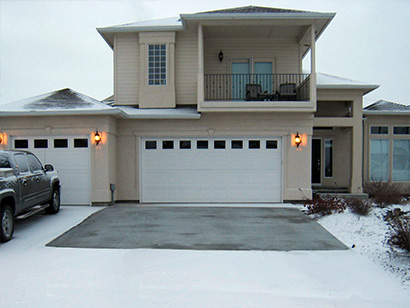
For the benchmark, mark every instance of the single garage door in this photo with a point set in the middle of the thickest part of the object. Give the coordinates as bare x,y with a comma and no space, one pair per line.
210,169
70,155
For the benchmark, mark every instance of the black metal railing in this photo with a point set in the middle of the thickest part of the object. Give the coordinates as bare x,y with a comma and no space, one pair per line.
284,87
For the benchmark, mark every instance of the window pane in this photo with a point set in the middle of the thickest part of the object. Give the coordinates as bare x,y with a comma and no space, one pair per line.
61,143
168,144
401,130
150,145
184,144
81,143
237,144
21,163
202,144
219,144
379,130
157,58
41,143
328,158
21,144
379,160
254,144
401,160
33,162
271,144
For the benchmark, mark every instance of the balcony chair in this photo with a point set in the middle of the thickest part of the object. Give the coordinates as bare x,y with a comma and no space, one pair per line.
287,92
253,92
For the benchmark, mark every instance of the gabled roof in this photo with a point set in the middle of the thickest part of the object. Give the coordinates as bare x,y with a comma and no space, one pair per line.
386,107
326,81
252,9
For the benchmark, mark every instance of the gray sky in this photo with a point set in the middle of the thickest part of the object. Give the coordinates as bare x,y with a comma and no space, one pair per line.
50,45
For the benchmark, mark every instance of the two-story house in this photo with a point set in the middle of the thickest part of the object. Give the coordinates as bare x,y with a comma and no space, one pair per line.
207,107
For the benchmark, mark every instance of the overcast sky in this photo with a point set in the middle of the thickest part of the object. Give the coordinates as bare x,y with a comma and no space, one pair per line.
50,45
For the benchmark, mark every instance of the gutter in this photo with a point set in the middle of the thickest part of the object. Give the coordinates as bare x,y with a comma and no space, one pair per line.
393,112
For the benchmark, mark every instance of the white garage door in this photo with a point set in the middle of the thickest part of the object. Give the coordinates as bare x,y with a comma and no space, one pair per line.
70,155
210,170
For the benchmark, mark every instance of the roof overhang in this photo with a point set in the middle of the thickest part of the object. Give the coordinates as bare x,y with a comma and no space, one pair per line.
386,112
365,88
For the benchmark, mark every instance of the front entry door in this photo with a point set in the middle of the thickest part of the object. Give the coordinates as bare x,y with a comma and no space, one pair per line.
316,161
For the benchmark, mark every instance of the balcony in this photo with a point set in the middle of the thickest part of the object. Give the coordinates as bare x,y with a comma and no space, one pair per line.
256,87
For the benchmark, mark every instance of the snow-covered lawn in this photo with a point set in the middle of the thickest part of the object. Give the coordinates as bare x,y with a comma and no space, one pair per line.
33,275
368,236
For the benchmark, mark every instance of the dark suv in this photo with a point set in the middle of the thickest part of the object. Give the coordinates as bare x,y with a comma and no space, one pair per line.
26,187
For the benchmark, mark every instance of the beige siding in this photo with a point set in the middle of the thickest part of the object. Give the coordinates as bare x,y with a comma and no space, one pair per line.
186,58
126,69
284,52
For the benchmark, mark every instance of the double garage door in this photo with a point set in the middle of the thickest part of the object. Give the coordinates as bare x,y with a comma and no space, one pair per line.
210,169
70,155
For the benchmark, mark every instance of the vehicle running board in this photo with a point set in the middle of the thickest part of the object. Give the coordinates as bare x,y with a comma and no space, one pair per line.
33,211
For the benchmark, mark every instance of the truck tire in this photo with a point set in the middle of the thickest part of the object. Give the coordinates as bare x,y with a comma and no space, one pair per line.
54,204
7,223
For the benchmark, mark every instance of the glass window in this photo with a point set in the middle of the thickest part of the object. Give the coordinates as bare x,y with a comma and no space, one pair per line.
168,144
237,144
21,144
21,162
60,143
34,163
379,130
379,160
401,160
328,158
254,144
185,144
150,145
401,130
157,59
202,144
219,144
81,143
271,144
4,161
41,143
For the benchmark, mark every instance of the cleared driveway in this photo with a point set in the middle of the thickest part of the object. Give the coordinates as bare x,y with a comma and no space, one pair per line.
199,228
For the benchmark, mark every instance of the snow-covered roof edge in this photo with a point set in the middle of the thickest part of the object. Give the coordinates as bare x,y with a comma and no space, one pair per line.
327,81
383,107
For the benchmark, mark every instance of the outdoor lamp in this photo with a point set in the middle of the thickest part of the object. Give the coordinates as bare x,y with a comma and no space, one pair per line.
97,137
298,140
221,56
1,140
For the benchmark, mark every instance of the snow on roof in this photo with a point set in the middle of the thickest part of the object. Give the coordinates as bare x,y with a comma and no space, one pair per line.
64,99
386,107
252,9
326,81
171,113
170,23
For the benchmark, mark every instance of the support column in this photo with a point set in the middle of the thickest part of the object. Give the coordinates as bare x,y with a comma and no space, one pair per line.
357,149
313,94
200,88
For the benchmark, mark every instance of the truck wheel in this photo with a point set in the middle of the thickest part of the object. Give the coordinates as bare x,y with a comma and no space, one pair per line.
54,206
7,223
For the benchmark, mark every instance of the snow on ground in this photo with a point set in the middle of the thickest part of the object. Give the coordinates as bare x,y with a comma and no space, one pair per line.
368,235
32,274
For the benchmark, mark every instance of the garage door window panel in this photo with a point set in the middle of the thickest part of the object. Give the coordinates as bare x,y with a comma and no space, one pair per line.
202,144
150,145
271,144
40,143
60,143
185,144
237,144
81,143
21,144
254,144
219,144
167,144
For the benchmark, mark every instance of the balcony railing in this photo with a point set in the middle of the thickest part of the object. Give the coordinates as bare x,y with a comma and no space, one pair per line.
257,87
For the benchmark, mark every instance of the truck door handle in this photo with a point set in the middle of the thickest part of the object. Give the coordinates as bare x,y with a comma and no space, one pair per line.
37,180
25,182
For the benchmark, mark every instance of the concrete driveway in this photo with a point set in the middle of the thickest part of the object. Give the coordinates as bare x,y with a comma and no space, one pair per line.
199,228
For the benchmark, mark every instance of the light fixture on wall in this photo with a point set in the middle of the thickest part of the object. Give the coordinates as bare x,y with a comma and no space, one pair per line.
298,140
1,140
221,56
97,137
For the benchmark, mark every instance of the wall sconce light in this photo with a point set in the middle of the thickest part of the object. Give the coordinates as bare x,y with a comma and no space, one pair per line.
298,140
221,56
1,140
97,137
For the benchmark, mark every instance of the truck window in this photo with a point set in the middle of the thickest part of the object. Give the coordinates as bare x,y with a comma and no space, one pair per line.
4,162
21,162
34,163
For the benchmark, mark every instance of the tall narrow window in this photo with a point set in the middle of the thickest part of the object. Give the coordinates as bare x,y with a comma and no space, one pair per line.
328,158
401,160
379,160
157,64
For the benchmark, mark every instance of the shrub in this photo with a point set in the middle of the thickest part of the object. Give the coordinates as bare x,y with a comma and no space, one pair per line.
359,206
325,206
400,229
384,193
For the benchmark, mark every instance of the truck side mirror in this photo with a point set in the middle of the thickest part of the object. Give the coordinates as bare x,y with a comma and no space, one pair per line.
48,168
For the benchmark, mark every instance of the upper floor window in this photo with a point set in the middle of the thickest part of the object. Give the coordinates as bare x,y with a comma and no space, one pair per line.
379,130
401,130
157,64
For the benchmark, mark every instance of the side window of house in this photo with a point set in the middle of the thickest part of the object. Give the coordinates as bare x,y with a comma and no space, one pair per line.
401,160
157,64
21,162
379,160
379,130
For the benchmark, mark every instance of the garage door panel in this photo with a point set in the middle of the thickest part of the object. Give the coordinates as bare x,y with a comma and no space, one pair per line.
211,175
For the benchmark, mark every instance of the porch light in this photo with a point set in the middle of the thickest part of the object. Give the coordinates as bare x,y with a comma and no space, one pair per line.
1,140
221,56
97,137
298,140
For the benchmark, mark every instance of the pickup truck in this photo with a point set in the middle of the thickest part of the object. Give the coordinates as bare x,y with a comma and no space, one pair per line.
26,187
